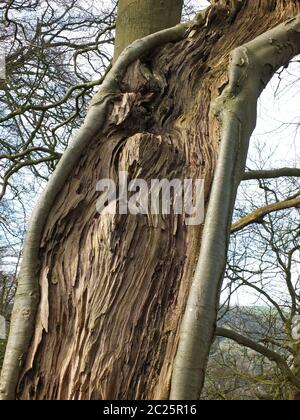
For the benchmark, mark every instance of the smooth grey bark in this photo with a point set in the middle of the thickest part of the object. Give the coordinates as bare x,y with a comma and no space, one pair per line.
269,354
251,68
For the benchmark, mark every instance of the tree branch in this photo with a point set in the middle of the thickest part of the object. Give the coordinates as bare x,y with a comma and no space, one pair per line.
269,354
28,293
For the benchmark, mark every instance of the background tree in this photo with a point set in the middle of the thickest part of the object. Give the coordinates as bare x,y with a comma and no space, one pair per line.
53,52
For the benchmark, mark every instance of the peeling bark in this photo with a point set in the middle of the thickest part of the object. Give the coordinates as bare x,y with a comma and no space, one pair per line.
114,289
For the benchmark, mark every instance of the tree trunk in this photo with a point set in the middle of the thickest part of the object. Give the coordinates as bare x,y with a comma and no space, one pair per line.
139,18
114,288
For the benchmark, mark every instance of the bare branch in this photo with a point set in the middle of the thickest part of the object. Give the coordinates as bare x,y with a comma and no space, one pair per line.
272,174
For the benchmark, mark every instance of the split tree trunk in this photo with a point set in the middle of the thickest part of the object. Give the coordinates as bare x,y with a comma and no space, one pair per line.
114,288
